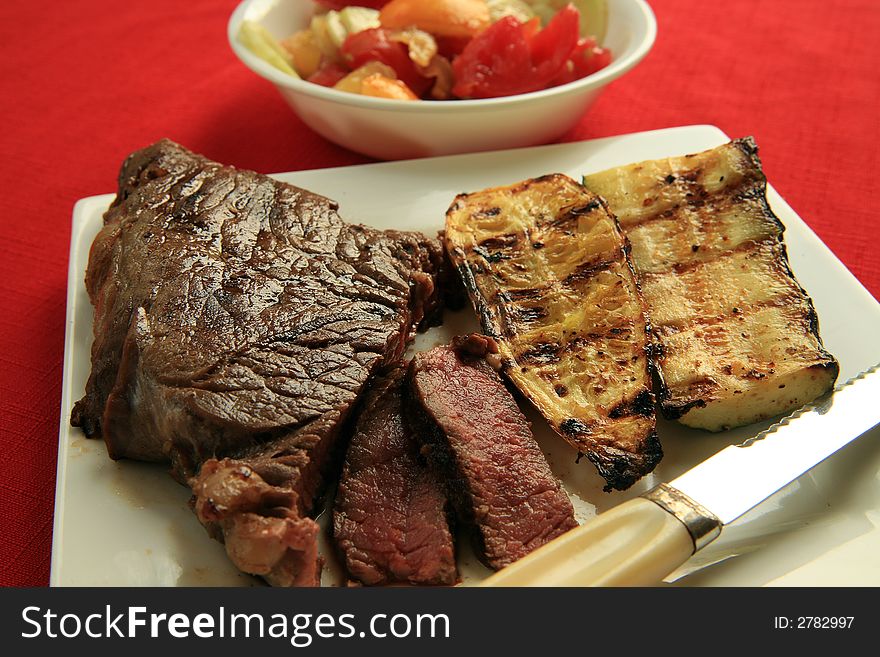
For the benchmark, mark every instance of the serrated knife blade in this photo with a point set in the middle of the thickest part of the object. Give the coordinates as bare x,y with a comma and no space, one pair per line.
641,541
740,477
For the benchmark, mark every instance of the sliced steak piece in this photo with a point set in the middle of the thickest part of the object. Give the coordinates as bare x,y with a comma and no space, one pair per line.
476,435
237,321
390,515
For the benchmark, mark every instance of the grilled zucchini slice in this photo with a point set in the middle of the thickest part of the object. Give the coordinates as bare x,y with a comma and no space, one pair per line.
738,336
546,267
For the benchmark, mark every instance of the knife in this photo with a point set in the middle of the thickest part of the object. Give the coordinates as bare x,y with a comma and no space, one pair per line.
639,542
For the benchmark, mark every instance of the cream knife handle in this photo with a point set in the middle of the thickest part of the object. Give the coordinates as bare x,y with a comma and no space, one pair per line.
634,544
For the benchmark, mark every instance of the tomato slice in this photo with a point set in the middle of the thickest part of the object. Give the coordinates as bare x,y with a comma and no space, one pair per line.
590,58
451,47
375,45
586,59
513,58
494,63
328,74
552,46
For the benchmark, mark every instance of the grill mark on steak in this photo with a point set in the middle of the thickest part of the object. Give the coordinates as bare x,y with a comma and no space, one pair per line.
389,516
495,474
237,321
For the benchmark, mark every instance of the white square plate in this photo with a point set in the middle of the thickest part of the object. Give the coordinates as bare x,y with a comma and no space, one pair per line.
128,524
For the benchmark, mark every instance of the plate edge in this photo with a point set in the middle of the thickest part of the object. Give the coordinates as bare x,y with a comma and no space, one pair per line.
80,214
78,219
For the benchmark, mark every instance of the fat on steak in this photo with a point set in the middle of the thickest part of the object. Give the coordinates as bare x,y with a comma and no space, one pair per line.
237,321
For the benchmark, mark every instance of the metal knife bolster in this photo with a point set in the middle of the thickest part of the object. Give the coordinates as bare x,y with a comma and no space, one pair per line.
739,477
703,526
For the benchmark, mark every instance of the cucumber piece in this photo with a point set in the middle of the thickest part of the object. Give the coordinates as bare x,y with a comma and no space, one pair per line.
257,39
594,14
319,30
358,19
335,29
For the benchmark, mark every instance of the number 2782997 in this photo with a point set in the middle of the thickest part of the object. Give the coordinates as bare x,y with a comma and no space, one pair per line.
813,622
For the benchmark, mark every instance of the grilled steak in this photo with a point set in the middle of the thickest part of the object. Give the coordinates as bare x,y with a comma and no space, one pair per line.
548,273
738,336
237,320
389,517
476,435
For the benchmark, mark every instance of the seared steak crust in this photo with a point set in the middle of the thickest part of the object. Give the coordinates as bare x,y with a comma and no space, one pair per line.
239,318
390,516
476,435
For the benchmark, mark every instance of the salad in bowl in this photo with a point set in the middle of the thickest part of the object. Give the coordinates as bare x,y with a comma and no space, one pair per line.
398,79
440,49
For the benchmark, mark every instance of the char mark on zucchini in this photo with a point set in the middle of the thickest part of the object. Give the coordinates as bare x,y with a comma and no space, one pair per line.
737,335
567,314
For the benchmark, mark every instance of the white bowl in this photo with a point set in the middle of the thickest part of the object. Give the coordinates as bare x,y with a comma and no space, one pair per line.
395,129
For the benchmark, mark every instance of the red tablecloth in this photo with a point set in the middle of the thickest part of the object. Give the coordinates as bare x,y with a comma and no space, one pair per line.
85,83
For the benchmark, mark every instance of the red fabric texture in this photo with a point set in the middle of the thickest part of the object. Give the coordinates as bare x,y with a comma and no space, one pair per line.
85,83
